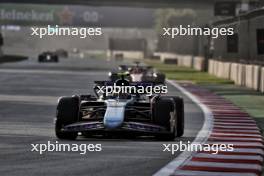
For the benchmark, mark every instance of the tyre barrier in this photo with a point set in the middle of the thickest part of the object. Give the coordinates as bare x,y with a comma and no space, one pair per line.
241,74
163,55
256,77
234,72
247,75
185,61
230,125
196,62
251,76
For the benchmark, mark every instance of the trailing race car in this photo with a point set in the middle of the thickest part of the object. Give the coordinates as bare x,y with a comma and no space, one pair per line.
122,113
62,53
138,73
48,56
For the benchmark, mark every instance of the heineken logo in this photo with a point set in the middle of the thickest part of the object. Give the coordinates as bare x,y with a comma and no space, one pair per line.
61,16
65,15
31,15
74,15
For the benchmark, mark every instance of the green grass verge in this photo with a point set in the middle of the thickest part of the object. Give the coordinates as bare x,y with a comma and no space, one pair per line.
248,100
96,55
182,73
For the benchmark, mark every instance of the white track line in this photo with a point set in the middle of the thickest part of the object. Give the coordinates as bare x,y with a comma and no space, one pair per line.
201,137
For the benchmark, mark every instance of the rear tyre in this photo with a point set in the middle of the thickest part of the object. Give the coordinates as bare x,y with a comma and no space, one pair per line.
160,78
40,59
113,76
56,59
67,113
163,116
180,115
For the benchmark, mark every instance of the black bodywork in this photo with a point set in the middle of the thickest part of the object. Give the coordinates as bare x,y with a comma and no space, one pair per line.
159,116
138,73
62,53
48,57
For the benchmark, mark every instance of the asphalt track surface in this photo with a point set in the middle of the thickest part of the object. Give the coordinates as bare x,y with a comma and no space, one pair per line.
28,97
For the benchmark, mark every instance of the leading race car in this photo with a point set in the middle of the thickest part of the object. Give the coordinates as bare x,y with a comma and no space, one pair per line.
158,116
48,56
138,73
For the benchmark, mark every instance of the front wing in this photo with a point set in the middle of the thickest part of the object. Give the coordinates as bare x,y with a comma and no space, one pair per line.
97,126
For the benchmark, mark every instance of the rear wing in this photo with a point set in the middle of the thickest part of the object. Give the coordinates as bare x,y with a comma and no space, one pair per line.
129,67
144,84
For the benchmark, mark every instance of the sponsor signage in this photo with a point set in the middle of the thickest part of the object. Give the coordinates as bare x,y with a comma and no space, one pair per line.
74,15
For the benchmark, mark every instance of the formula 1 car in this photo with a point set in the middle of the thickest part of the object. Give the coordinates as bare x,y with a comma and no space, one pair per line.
138,73
62,53
48,56
158,116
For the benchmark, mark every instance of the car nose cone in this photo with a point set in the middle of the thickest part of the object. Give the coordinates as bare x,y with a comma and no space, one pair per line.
111,124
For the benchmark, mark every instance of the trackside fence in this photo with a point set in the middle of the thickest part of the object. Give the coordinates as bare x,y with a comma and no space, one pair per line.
248,75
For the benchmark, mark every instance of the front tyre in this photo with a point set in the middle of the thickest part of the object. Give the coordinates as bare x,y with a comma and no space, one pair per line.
40,59
67,113
163,115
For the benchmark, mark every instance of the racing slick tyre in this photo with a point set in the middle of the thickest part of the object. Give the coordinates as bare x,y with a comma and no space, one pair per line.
160,78
40,59
67,113
113,76
163,116
180,115
56,59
